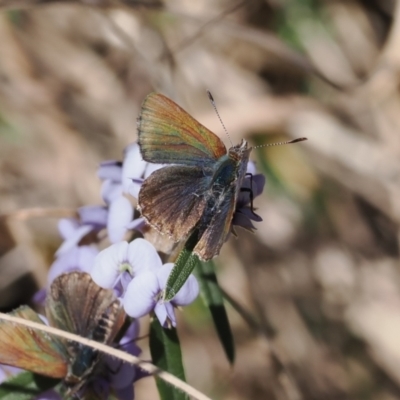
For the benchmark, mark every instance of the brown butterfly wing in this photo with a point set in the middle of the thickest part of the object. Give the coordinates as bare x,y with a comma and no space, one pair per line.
217,231
76,304
32,349
172,199
169,135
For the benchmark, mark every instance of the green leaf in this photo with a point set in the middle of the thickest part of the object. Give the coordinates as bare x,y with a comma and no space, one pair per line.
213,298
166,354
25,386
183,267
180,273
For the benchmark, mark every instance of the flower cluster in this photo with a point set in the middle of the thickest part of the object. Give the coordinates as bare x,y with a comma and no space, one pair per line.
120,179
136,272
116,218
134,269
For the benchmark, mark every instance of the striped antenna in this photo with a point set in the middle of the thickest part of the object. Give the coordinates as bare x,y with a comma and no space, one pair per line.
281,143
216,111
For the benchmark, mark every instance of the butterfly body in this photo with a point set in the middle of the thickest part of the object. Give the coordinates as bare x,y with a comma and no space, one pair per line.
198,193
83,359
232,167
225,182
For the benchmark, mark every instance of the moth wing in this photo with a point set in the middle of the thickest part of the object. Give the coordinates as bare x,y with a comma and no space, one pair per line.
169,135
32,349
76,304
172,199
218,229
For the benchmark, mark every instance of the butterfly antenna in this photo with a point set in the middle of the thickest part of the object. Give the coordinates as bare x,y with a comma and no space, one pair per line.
216,111
281,143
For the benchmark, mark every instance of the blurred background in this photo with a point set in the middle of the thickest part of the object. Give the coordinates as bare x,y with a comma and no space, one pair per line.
321,275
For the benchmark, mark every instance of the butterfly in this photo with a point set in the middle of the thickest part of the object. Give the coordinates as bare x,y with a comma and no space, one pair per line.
75,304
196,194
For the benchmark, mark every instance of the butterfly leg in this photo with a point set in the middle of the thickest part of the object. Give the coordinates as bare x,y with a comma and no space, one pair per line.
250,191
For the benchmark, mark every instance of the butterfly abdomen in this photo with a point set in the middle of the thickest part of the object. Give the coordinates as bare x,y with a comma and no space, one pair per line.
105,324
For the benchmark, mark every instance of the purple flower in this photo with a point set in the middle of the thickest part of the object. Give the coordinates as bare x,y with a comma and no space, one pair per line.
7,372
136,272
243,215
120,214
119,179
119,377
48,395
144,294
120,259
122,375
77,252
135,170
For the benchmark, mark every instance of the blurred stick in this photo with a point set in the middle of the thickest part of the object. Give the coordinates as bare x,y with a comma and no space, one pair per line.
364,166
26,4
200,31
286,378
38,212
266,41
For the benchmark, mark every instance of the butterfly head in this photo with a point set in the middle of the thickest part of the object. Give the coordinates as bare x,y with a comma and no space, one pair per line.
240,152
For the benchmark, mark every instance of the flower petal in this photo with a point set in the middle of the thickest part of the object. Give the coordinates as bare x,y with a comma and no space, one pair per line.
134,187
161,312
150,168
85,257
50,394
67,227
119,215
110,190
165,312
124,374
246,211
140,294
110,169
258,182
251,168
188,292
133,166
127,393
74,239
39,299
137,224
163,274
93,215
127,343
105,270
242,220
142,255
65,262
6,372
